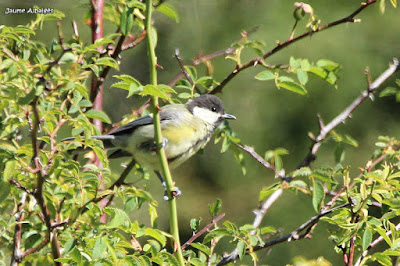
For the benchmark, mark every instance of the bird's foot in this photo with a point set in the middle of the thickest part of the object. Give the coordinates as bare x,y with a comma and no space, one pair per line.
156,147
175,193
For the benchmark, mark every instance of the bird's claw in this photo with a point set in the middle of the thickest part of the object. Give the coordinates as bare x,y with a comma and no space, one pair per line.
175,193
159,147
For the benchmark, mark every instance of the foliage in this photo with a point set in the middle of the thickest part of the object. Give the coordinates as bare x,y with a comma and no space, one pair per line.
55,198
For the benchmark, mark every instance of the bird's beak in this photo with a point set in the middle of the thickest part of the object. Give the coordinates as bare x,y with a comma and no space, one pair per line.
228,116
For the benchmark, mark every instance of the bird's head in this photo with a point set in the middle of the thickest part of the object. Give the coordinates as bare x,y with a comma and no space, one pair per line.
208,108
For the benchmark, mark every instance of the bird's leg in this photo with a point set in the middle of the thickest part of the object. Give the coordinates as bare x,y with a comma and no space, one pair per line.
174,193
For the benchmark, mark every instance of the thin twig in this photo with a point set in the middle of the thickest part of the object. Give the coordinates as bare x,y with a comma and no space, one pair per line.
19,216
260,213
280,46
202,231
19,185
255,155
293,236
184,71
373,244
326,129
203,58
119,182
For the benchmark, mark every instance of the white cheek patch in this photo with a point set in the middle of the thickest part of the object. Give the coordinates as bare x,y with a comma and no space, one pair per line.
206,115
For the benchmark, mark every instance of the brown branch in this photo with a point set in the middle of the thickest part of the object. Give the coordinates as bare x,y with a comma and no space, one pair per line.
19,216
18,185
200,59
133,42
293,236
326,129
38,194
280,46
202,231
119,182
258,158
372,245
184,71
203,58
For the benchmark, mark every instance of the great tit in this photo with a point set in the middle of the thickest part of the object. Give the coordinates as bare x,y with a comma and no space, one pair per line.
185,128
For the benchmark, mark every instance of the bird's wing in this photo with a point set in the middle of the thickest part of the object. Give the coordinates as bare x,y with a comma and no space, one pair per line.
167,113
131,126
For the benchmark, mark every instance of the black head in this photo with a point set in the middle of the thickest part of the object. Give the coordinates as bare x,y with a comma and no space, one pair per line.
208,108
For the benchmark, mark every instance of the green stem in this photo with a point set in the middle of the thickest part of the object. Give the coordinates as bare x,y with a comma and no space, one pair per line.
173,215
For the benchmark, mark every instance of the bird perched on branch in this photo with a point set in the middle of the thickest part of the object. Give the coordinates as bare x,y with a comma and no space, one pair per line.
185,128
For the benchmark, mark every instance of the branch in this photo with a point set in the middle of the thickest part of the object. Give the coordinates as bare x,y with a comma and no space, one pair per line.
38,194
293,236
373,244
158,139
202,231
260,213
255,155
19,216
119,182
200,59
184,71
326,129
96,92
280,46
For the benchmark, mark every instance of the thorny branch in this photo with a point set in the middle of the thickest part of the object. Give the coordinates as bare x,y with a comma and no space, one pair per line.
293,236
204,58
372,245
324,131
280,46
202,231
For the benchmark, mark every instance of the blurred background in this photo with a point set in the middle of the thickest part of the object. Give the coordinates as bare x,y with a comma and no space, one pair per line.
267,118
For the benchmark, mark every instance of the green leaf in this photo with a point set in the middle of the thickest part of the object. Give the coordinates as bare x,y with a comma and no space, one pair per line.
293,86
328,65
156,234
367,238
108,61
69,245
99,115
153,215
318,195
383,259
394,3
339,153
27,98
241,248
157,91
195,224
384,235
302,77
119,218
265,192
202,248
99,248
9,170
381,6
389,91
4,190
168,11
127,20
265,75
215,208
67,57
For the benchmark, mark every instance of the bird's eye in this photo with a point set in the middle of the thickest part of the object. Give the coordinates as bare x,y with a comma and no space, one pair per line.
213,109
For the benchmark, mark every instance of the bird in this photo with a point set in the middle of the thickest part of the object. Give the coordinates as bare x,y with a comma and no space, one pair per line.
185,129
